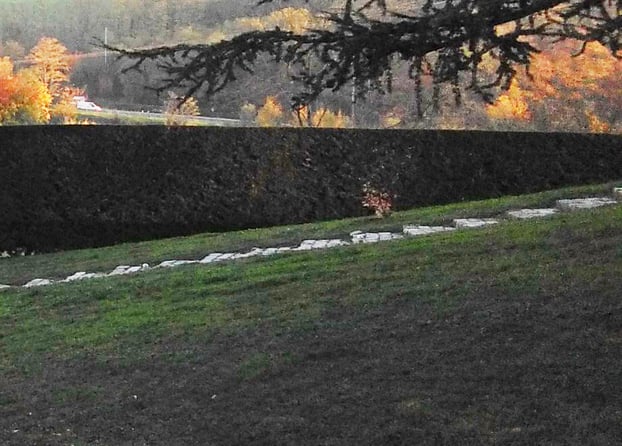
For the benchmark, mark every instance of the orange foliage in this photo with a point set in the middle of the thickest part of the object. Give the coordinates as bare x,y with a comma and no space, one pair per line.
510,105
23,97
50,60
595,124
566,87
556,73
270,114
296,20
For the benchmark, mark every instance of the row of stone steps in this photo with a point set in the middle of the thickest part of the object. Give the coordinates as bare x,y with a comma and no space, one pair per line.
356,238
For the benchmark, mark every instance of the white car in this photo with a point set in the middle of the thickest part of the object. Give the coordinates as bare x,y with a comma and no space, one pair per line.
83,105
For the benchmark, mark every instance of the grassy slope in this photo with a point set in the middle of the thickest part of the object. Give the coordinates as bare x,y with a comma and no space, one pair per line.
17,271
507,335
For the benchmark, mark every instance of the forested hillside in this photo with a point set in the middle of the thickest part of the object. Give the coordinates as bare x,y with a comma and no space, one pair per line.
562,92
77,23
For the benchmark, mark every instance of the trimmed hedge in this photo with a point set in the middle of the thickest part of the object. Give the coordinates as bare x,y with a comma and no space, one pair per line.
80,186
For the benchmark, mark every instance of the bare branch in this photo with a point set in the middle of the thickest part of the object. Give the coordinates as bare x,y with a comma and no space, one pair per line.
359,49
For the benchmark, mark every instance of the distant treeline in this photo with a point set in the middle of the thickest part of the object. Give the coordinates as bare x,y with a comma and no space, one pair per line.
131,23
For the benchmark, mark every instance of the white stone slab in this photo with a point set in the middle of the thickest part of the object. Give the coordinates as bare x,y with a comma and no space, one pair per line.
307,245
373,237
119,270
319,244
270,251
584,203
532,213
175,263
253,252
4,255
358,237
211,257
84,276
4,287
303,247
80,275
336,242
415,230
225,256
617,193
474,222
133,269
38,282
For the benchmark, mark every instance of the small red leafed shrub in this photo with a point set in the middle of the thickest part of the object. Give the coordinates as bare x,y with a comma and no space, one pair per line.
378,202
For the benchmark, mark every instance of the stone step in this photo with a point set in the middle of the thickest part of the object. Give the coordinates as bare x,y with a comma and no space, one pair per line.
474,222
532,213
356,236
38,282
373,237
416,230
584,203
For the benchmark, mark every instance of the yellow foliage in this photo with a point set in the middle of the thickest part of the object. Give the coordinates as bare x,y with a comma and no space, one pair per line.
562,85
295,20
215,37
50,60
555,70
23,97
510,105
6,67
325,118
390,121
596,125
505,28
320,118
179,112
270,113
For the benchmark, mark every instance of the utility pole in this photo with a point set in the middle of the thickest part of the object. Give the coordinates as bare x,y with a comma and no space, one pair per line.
353,99
106,45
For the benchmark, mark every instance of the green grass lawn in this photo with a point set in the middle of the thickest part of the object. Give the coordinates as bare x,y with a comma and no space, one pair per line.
510,334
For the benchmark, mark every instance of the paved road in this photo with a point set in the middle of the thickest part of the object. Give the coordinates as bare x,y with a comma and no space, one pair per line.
220,122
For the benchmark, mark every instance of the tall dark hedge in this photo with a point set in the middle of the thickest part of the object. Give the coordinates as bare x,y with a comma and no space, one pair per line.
68,187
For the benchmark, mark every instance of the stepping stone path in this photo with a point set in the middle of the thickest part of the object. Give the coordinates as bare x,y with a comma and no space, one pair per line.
584,203
474,222
356,238
532,213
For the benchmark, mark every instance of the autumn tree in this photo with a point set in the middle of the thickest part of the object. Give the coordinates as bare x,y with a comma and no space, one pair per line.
50,60
321,117
447,41
270,114
178,110
24,99
566,89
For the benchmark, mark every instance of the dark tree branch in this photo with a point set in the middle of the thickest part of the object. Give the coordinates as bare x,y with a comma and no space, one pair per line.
449,37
